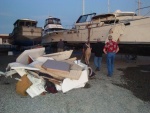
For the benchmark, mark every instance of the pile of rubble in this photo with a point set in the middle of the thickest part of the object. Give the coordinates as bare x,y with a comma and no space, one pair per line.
41,73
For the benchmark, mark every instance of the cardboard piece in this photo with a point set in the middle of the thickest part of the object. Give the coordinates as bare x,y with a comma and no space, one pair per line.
23,85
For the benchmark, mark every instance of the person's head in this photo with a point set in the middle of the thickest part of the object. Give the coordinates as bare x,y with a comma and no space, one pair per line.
110,37
60,39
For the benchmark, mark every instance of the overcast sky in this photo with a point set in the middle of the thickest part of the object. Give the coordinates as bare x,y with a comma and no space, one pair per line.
67,10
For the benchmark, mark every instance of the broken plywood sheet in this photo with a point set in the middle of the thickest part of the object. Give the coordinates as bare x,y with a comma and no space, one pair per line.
56,66
34,53
60,55
76,67
73,74
42,70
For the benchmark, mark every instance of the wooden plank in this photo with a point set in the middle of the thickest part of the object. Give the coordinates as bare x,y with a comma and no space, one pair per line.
76,67
73,74
53,80
42,70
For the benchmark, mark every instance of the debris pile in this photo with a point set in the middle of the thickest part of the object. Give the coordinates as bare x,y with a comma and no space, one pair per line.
41,73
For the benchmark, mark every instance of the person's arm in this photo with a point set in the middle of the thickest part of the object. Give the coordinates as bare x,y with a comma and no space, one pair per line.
104,50
117,49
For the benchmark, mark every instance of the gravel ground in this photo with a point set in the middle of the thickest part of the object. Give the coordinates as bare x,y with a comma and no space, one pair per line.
128,91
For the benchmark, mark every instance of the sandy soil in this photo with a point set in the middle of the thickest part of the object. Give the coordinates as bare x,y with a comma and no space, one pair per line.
128,91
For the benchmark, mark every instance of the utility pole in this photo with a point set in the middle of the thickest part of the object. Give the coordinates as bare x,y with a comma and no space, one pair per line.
108,6
82,7
139,6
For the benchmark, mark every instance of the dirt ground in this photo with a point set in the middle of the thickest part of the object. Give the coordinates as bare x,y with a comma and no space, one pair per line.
128,90
136,73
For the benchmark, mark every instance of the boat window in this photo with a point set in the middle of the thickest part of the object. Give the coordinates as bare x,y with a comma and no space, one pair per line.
110,21
52,21
85,18
21,23
56,21
34,24
28,24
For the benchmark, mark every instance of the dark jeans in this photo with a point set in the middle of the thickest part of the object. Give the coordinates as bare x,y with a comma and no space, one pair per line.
97,61
110,63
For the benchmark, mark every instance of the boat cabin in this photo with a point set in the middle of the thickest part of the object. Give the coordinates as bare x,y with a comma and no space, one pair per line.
103,19
51,20
52,24
25,22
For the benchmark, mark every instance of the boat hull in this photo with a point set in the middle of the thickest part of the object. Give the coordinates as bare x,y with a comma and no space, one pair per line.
136,35
26,36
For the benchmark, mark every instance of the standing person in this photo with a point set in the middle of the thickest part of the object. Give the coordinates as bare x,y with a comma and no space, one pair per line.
60,46
110,49
98,51
87,52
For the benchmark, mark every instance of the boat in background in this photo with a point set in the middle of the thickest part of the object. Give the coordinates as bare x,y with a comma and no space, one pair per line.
26,33
135,37
52,25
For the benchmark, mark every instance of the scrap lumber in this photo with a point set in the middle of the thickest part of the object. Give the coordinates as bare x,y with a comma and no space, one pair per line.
53,80
56,66
72,59
42,70
73,74
76,67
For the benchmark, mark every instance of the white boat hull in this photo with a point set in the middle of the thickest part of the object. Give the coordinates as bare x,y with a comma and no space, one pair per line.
135,33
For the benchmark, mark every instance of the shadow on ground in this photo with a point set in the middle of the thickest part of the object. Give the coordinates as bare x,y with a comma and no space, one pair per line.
137,80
